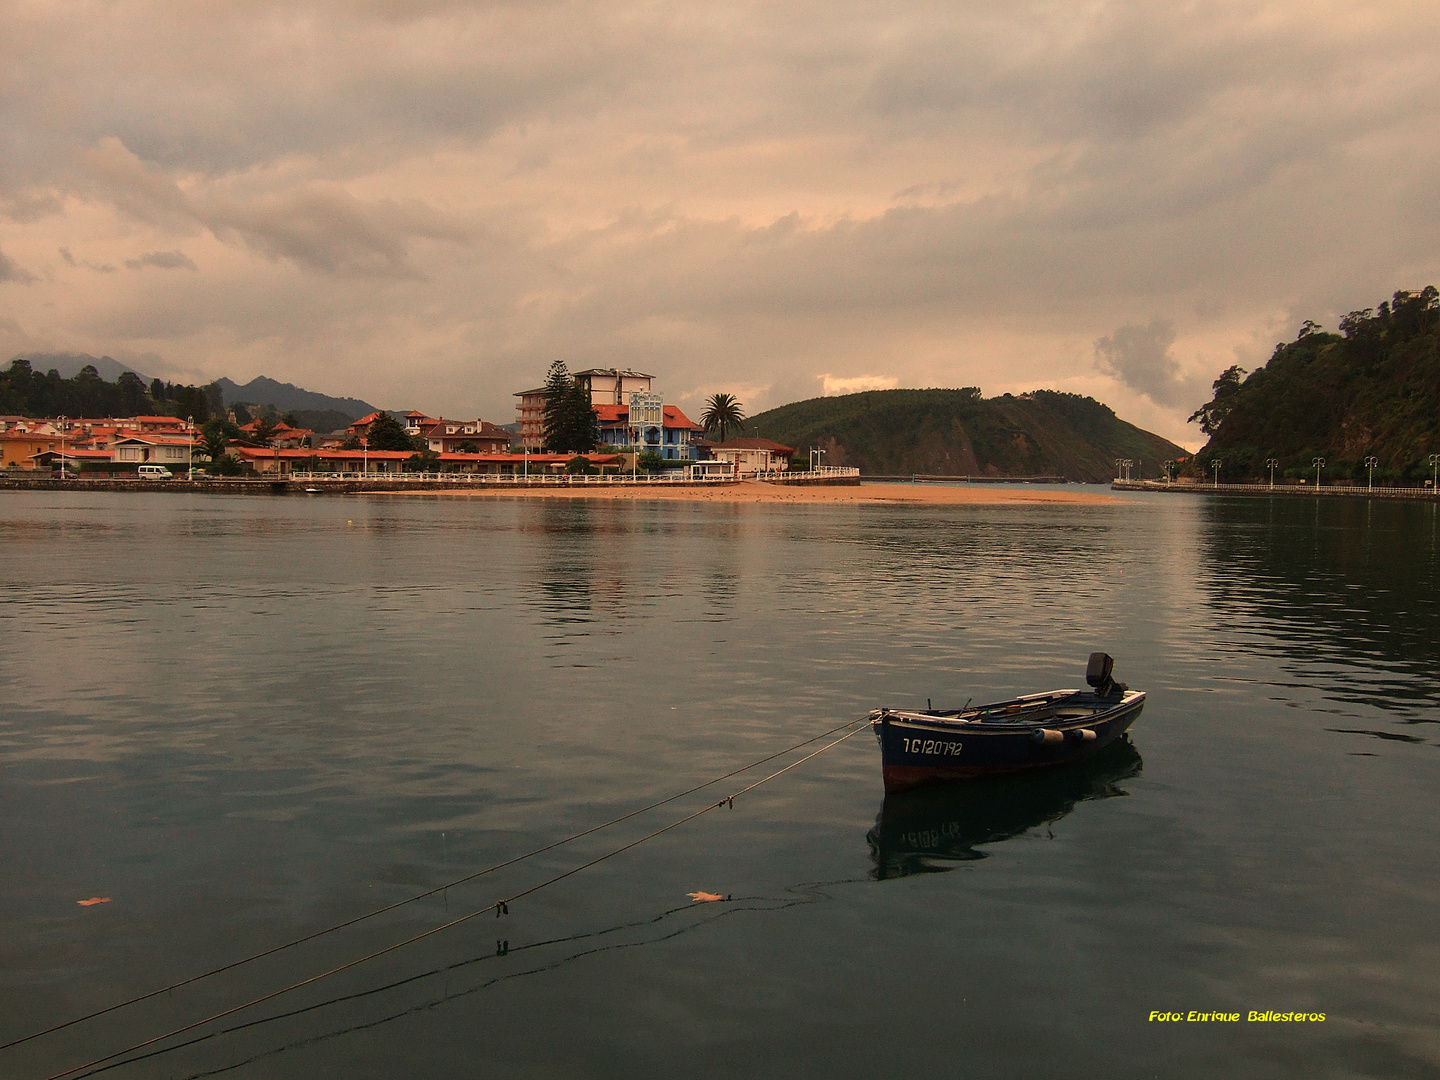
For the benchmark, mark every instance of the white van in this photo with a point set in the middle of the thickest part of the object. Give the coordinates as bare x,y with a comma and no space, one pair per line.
154,472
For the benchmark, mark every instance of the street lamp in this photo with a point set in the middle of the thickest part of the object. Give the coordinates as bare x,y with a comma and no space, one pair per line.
1435,471
1119,468
1370,463
1272,464
190,446
1215,464
1318,464
60,422
365,448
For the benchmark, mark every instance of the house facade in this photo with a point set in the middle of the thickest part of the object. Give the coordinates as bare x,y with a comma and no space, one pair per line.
18,449
753,455
164,450
448,436
664,429
613,386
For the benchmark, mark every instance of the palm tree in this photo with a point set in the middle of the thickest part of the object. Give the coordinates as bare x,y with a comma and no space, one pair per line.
722,412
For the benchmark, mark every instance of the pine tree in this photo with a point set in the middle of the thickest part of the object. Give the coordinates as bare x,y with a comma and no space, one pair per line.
570,422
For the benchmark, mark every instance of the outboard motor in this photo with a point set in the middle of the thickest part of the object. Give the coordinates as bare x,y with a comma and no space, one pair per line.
1097,674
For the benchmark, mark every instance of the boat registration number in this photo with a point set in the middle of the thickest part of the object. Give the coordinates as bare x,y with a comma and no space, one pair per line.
930,746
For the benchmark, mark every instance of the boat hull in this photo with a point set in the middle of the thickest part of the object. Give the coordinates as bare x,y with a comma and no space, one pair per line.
918,749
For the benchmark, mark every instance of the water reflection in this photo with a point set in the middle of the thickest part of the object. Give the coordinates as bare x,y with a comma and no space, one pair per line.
567,569
1343,590
921,832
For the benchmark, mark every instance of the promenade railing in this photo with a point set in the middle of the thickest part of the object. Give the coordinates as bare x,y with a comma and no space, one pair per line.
670,476
1264,488
825,472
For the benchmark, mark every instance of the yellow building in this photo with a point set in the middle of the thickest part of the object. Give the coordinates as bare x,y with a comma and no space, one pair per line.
17,451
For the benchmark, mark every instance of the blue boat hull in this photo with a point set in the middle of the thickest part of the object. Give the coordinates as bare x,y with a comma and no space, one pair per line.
1040,731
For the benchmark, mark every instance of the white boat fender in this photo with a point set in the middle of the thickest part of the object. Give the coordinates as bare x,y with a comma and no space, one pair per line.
1045,736
1084,735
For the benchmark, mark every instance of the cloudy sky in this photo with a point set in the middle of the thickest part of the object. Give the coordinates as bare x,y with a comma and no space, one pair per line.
424,203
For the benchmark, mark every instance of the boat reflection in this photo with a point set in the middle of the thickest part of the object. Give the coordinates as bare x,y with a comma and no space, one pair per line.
924,831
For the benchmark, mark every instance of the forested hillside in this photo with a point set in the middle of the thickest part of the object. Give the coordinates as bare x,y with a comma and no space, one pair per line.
1373,389
958,432
25,392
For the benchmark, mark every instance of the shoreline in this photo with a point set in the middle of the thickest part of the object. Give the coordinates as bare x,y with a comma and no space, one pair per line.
746,491
753,491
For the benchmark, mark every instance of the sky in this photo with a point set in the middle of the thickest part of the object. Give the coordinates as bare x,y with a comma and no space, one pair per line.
423,204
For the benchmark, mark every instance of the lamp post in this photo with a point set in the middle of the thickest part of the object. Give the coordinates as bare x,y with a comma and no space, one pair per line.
365,459
1168,467
1435,471
60,422
1215,464
190,446
1119,468
1370,463
1272,464
1318,464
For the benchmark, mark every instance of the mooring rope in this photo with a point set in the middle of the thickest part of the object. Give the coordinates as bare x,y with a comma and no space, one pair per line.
420,896
500,907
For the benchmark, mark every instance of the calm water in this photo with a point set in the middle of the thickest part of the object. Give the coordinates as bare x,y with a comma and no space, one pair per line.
244,719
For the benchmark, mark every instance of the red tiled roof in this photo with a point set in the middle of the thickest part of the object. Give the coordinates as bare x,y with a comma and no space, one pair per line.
750,443
534,459
157,438
79,455
261,453
619,414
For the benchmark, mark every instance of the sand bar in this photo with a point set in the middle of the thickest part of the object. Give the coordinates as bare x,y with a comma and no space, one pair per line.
752,491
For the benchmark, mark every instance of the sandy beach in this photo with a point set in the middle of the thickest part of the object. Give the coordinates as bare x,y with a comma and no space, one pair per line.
752,491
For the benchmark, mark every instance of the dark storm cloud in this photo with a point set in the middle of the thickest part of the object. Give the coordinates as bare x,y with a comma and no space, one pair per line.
319,226
12,271
1140,357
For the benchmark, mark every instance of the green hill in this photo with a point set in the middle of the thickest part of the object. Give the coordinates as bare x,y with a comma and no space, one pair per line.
957,432
1371,390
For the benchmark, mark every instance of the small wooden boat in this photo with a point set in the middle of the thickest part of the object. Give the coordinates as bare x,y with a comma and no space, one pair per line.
1031,732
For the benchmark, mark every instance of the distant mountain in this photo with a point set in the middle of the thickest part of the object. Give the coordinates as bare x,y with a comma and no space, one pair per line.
959,433
286,397
69,365
1372,390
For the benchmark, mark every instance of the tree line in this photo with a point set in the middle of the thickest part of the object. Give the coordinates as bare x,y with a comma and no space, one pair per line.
25,392
1370,390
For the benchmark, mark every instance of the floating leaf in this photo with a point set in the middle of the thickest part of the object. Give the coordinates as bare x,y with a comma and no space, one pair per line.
705,897
93,901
